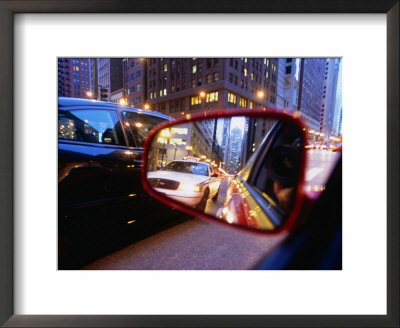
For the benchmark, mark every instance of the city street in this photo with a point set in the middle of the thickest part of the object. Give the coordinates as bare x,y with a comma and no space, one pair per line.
320,165
200,245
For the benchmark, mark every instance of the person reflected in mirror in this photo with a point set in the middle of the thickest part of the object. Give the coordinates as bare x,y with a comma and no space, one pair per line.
282,168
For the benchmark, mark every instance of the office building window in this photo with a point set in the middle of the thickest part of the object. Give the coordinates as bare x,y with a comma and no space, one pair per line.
231,98
243,102
216,76
194,69
209,80
165,67
138,87
195,101
211,97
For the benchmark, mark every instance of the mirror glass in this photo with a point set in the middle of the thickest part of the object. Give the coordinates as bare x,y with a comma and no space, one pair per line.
242,170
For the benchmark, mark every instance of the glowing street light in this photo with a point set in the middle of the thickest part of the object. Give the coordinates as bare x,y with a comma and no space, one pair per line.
122,102
260,94
89,94
146,106
202,94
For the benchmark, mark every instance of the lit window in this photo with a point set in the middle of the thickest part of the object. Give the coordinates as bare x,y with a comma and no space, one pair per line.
245,60
211,97
251,105
138,87
195,100
266,74
162,140
216,76
176,141
231,98
165,92
165,67
179,130
245,72
160,93
243,102
194,69
252,76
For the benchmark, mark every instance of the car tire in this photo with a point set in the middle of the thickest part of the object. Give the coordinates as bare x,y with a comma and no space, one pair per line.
216,195
202,205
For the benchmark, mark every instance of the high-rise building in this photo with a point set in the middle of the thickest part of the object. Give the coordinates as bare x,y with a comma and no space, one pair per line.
177,86
135,87
73,77
337,119
331,75
236,137
311,83
110,74
287,86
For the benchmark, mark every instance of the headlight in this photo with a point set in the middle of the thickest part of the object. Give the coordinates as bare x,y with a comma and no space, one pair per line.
189,187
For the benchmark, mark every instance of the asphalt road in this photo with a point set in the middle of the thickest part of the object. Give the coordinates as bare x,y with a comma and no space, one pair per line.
201,245
191,245
320,165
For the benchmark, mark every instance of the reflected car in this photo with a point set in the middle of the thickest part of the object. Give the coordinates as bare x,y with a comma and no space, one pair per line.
189,182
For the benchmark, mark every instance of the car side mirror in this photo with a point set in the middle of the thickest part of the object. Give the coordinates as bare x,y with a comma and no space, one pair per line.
260,156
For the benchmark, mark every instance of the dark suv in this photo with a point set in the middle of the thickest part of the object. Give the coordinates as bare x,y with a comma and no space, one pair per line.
99,159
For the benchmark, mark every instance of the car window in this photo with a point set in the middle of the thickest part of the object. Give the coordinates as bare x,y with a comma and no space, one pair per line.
141,125
95,126
187,167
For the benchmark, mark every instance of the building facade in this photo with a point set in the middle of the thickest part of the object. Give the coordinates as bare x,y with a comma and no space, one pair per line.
329,97
177,86
135,74
287,86
73,77
311,84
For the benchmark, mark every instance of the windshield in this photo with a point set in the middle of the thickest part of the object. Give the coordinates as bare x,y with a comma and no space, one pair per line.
187,167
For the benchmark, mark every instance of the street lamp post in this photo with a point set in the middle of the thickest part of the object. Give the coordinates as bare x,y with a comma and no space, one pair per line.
165,134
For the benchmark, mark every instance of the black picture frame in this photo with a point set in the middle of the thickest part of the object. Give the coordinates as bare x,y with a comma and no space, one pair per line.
7,11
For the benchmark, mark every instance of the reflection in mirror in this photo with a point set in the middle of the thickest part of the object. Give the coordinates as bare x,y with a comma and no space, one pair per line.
242,170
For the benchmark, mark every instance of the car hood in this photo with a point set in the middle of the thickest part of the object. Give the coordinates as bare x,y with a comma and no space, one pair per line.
178,176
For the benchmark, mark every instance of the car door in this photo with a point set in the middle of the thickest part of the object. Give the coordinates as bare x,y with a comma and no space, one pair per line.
93,158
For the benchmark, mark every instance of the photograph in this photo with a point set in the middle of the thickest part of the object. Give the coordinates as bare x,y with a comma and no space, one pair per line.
204,163
176,164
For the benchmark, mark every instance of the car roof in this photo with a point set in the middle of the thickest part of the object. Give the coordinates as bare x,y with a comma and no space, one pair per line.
64,102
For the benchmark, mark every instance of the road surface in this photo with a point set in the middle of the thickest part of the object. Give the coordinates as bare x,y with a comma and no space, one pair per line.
201,245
